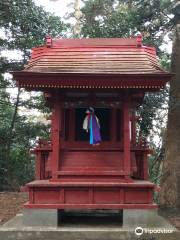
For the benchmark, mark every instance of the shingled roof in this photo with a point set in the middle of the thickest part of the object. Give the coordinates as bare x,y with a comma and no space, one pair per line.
94,56
93,63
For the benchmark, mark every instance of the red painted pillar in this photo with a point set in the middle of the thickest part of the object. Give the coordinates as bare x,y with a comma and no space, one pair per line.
113,125
145,166
133,128
126,130
56,128
71,125
38,165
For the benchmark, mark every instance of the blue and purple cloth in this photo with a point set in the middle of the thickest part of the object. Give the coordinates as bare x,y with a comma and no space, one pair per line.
91,124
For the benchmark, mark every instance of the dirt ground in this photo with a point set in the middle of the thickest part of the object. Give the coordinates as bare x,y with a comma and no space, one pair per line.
12,202
172,215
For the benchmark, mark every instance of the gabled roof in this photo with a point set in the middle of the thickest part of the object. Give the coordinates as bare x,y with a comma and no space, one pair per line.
93,63
94,56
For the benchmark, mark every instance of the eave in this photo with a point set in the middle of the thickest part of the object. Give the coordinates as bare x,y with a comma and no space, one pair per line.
36,80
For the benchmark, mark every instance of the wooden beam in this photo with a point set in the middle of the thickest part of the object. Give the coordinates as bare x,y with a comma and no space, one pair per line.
113,125
72,113
38,165
126,135
56,130
145,166
133,128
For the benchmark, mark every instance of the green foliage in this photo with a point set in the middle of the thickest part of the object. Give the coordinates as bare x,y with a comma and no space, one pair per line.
153,104
25,25
21,139
112,18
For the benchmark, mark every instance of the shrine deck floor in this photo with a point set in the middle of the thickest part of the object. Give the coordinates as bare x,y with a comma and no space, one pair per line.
91,195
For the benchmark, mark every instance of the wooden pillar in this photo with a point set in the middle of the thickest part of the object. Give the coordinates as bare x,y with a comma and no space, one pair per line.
38,165
72,124
126,135
133,128
113,125
56,129
145,166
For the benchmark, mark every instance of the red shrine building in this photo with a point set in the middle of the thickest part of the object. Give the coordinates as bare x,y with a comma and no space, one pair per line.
111,76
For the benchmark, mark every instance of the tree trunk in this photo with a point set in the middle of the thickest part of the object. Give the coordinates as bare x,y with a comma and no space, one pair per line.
77,15
130,4
9,142
170,182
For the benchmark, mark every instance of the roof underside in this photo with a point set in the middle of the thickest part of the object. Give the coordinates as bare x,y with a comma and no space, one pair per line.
94,56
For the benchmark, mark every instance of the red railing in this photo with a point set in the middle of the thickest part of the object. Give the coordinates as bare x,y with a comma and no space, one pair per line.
42,151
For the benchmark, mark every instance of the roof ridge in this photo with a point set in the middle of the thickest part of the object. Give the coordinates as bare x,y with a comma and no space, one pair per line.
83,42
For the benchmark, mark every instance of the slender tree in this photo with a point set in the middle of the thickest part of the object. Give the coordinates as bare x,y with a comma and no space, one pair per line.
77,15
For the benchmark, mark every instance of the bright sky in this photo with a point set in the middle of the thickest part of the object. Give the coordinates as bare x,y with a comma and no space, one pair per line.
59,7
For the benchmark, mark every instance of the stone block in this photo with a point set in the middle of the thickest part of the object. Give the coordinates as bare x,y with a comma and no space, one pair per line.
40,217
147,218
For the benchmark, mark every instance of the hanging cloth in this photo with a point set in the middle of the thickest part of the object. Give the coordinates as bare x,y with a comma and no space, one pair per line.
91,124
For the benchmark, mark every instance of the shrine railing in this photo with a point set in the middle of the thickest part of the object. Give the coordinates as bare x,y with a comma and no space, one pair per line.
142,150
42,151
139,153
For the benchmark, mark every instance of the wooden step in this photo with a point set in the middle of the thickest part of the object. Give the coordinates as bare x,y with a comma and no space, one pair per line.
90,172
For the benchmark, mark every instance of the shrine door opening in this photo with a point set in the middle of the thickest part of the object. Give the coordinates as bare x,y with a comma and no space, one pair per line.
103,115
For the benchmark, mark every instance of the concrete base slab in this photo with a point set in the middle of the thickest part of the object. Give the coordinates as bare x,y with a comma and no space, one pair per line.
14,229
147,218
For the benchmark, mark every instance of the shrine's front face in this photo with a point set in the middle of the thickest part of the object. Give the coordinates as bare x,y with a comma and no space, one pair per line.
77,150
96,157
107,108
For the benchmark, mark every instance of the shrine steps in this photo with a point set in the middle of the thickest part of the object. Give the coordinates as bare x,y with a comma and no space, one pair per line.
90,176
90,194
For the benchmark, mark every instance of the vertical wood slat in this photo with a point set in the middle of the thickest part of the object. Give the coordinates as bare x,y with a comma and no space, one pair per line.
66,125
62,195
121,195
72,124
126,136
145,166
56,129
91,195
62,127
112,127
31,195
121,125
150,196
38,166
133,128
43,167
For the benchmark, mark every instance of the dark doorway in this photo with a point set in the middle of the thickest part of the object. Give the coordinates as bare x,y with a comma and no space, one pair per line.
103,115
93,218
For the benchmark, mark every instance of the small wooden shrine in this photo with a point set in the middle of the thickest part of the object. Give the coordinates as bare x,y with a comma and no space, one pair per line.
111,76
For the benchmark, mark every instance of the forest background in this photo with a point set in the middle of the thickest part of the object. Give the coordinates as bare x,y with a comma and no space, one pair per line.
24,25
